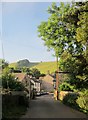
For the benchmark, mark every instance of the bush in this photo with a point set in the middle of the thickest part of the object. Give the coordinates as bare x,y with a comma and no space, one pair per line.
82,100
70,99
8,81
66,87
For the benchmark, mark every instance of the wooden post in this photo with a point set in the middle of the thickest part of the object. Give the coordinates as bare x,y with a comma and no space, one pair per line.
57,78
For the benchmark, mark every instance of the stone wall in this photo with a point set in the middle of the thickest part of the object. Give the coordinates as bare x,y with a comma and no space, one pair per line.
62,94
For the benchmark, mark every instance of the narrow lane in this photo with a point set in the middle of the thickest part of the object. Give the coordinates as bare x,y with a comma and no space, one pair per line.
46,107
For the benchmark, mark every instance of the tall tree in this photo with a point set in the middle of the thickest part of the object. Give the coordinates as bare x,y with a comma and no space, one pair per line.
66,30
58,32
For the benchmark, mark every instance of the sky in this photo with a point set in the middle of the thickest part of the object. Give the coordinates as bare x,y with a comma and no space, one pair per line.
19,31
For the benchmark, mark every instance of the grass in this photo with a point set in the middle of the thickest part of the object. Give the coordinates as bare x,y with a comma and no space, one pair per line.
43,67
13,65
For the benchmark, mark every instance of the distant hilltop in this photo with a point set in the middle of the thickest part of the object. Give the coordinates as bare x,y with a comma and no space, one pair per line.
23,63
43,67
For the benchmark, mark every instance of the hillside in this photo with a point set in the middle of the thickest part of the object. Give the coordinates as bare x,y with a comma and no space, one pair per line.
23,63
44,67
13,65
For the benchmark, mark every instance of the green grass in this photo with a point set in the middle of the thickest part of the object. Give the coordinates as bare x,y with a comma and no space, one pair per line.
13,65
43,67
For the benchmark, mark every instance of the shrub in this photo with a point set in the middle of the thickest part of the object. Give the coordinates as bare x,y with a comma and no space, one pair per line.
82,100
8,81
70,99
18,86
66,87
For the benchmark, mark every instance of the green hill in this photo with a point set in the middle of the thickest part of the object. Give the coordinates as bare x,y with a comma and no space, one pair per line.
44,67
23,63
13,65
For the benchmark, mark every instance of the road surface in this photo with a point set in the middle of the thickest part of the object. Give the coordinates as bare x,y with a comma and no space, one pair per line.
46,107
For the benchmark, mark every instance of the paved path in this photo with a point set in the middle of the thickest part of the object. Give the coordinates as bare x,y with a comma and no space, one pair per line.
46,107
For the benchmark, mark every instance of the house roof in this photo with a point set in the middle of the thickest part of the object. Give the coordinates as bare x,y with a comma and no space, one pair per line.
48,78
20,76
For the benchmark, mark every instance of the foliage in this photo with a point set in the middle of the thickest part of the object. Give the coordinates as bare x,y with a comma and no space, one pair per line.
58,33
42,75
25,69
18,86
65,87
69,39
82,101
77,69
8,81
3,63
35,73
70,99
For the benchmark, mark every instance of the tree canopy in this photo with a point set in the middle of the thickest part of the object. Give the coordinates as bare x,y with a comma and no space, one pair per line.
66,32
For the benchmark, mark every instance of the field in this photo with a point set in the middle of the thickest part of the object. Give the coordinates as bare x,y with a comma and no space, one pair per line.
13,65
44,67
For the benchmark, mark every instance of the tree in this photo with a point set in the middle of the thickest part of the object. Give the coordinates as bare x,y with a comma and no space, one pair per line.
66,33
3,64
57,33
77,75
9,82
35,72
82,30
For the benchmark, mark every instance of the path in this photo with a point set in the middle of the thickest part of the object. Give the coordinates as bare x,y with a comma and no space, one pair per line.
46,107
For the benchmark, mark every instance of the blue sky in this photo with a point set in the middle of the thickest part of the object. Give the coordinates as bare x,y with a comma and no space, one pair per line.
19,31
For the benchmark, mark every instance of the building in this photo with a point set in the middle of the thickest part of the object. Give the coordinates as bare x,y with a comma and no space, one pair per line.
47,83
25,79
37,84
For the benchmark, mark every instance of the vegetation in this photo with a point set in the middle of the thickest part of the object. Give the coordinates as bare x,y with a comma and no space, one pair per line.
82,101
69,40
44,67
61,34
13,65
70,99
35,73
9,84
22,63
66,87
8,81
3,63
